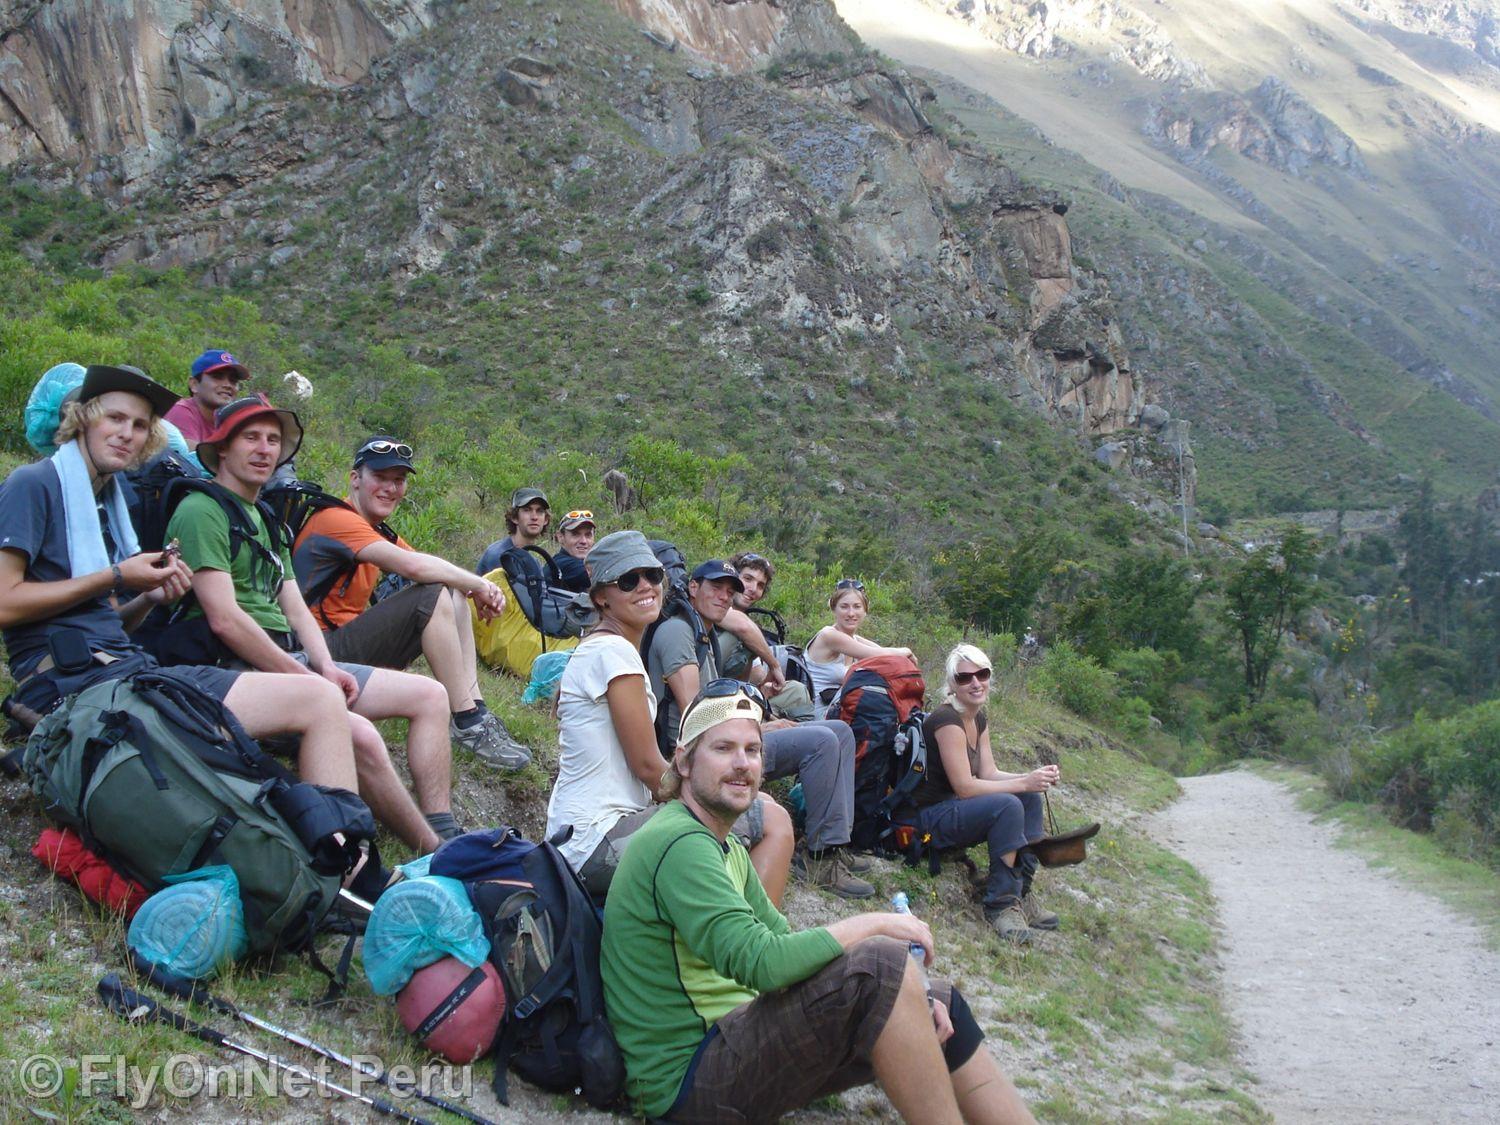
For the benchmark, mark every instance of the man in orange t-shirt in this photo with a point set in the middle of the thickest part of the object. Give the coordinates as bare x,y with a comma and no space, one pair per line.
344,550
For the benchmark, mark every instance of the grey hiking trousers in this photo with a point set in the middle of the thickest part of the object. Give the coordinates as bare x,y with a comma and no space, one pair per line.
821,754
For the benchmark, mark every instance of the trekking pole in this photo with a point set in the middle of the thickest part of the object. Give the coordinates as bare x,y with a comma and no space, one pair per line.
132,1007
193,992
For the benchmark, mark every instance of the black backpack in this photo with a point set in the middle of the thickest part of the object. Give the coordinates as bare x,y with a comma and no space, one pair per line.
145,495
537,585
165,634
674,562
327,569
544,941
705,642
793,662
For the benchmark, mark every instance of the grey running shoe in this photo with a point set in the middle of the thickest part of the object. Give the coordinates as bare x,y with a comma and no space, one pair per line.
491,743
830,872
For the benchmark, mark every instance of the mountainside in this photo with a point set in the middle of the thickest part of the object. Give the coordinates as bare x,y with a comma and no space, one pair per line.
1306,215
549,206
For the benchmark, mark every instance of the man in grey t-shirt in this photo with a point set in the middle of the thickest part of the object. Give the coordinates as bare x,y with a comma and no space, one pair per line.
680,660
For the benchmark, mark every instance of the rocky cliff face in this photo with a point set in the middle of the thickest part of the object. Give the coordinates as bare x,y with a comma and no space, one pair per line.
821,202
110,89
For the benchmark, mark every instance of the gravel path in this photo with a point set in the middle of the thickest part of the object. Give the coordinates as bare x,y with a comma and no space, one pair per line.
1358,998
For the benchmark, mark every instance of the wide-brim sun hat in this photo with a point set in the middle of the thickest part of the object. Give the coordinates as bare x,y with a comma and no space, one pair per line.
241,412
101,378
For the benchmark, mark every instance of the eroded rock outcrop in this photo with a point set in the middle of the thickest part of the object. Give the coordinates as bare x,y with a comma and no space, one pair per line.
104,91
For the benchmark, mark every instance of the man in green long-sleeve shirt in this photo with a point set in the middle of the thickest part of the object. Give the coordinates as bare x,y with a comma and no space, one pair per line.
723,1013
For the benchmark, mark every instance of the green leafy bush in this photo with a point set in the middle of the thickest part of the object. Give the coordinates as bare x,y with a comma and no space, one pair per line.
1272,728
1072,679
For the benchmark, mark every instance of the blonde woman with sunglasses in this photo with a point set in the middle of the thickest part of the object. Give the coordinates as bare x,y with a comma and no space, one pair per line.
965,799
839,645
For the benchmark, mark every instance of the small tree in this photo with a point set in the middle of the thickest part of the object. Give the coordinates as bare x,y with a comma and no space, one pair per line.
1264,599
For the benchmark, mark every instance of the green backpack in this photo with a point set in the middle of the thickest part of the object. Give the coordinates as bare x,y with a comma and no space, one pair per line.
159,778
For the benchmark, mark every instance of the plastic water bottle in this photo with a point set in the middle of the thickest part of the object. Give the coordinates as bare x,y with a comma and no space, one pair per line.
900,904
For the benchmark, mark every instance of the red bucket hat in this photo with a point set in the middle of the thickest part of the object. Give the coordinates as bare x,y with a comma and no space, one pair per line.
230,417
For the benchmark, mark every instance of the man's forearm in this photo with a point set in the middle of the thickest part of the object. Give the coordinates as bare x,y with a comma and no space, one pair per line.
237,631
26,603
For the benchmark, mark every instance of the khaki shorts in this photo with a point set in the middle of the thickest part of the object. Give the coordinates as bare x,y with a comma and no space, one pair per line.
786,1048
389,633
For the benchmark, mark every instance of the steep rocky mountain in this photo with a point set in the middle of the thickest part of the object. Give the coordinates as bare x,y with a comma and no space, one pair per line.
1316,177
636,199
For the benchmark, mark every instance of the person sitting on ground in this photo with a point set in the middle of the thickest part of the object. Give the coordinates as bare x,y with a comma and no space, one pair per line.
821,754
69,563
575,538
837,646
609,764
791,700
428,618
722,1011
214,381
256,619
965,799
526,522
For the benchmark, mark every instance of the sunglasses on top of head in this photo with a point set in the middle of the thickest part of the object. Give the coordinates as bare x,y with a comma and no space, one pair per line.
628,581
399,448
963,679
849,584
724,687
579,514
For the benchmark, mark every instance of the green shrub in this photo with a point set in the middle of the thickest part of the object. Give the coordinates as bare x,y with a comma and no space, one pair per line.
1072,679
1272,728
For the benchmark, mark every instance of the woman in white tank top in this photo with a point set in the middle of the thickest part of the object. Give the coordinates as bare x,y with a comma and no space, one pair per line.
839,645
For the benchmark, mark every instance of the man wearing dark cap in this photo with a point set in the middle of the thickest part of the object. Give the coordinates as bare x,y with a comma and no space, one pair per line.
247,593
214,382
344,548
526,522
684,654
73,583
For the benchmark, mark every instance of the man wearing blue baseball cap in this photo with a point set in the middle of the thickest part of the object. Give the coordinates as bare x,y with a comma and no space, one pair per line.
213,382
683,654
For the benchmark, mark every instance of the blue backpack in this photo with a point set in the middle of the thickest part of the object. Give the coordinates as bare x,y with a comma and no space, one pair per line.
544,940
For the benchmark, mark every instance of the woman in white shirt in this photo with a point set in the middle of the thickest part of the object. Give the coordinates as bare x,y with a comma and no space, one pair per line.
839,645
609,767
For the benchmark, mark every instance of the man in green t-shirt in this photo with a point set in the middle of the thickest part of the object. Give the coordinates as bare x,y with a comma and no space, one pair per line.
718,1006
247,593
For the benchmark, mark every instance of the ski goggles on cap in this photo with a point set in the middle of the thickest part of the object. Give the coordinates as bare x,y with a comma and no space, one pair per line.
381,445
719,701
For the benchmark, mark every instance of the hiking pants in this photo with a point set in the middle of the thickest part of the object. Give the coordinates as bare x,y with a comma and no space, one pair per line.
1005,822
821,754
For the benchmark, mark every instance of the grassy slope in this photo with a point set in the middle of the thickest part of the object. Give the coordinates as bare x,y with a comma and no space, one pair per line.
1115,1016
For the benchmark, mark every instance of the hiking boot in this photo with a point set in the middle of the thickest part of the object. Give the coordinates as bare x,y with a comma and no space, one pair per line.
858,863
491,743
1010,924
1038,917
830,872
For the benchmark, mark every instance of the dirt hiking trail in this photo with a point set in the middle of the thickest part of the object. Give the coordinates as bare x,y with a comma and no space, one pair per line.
1358,998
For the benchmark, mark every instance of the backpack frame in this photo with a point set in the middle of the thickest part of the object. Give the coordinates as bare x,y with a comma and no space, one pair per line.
881,700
